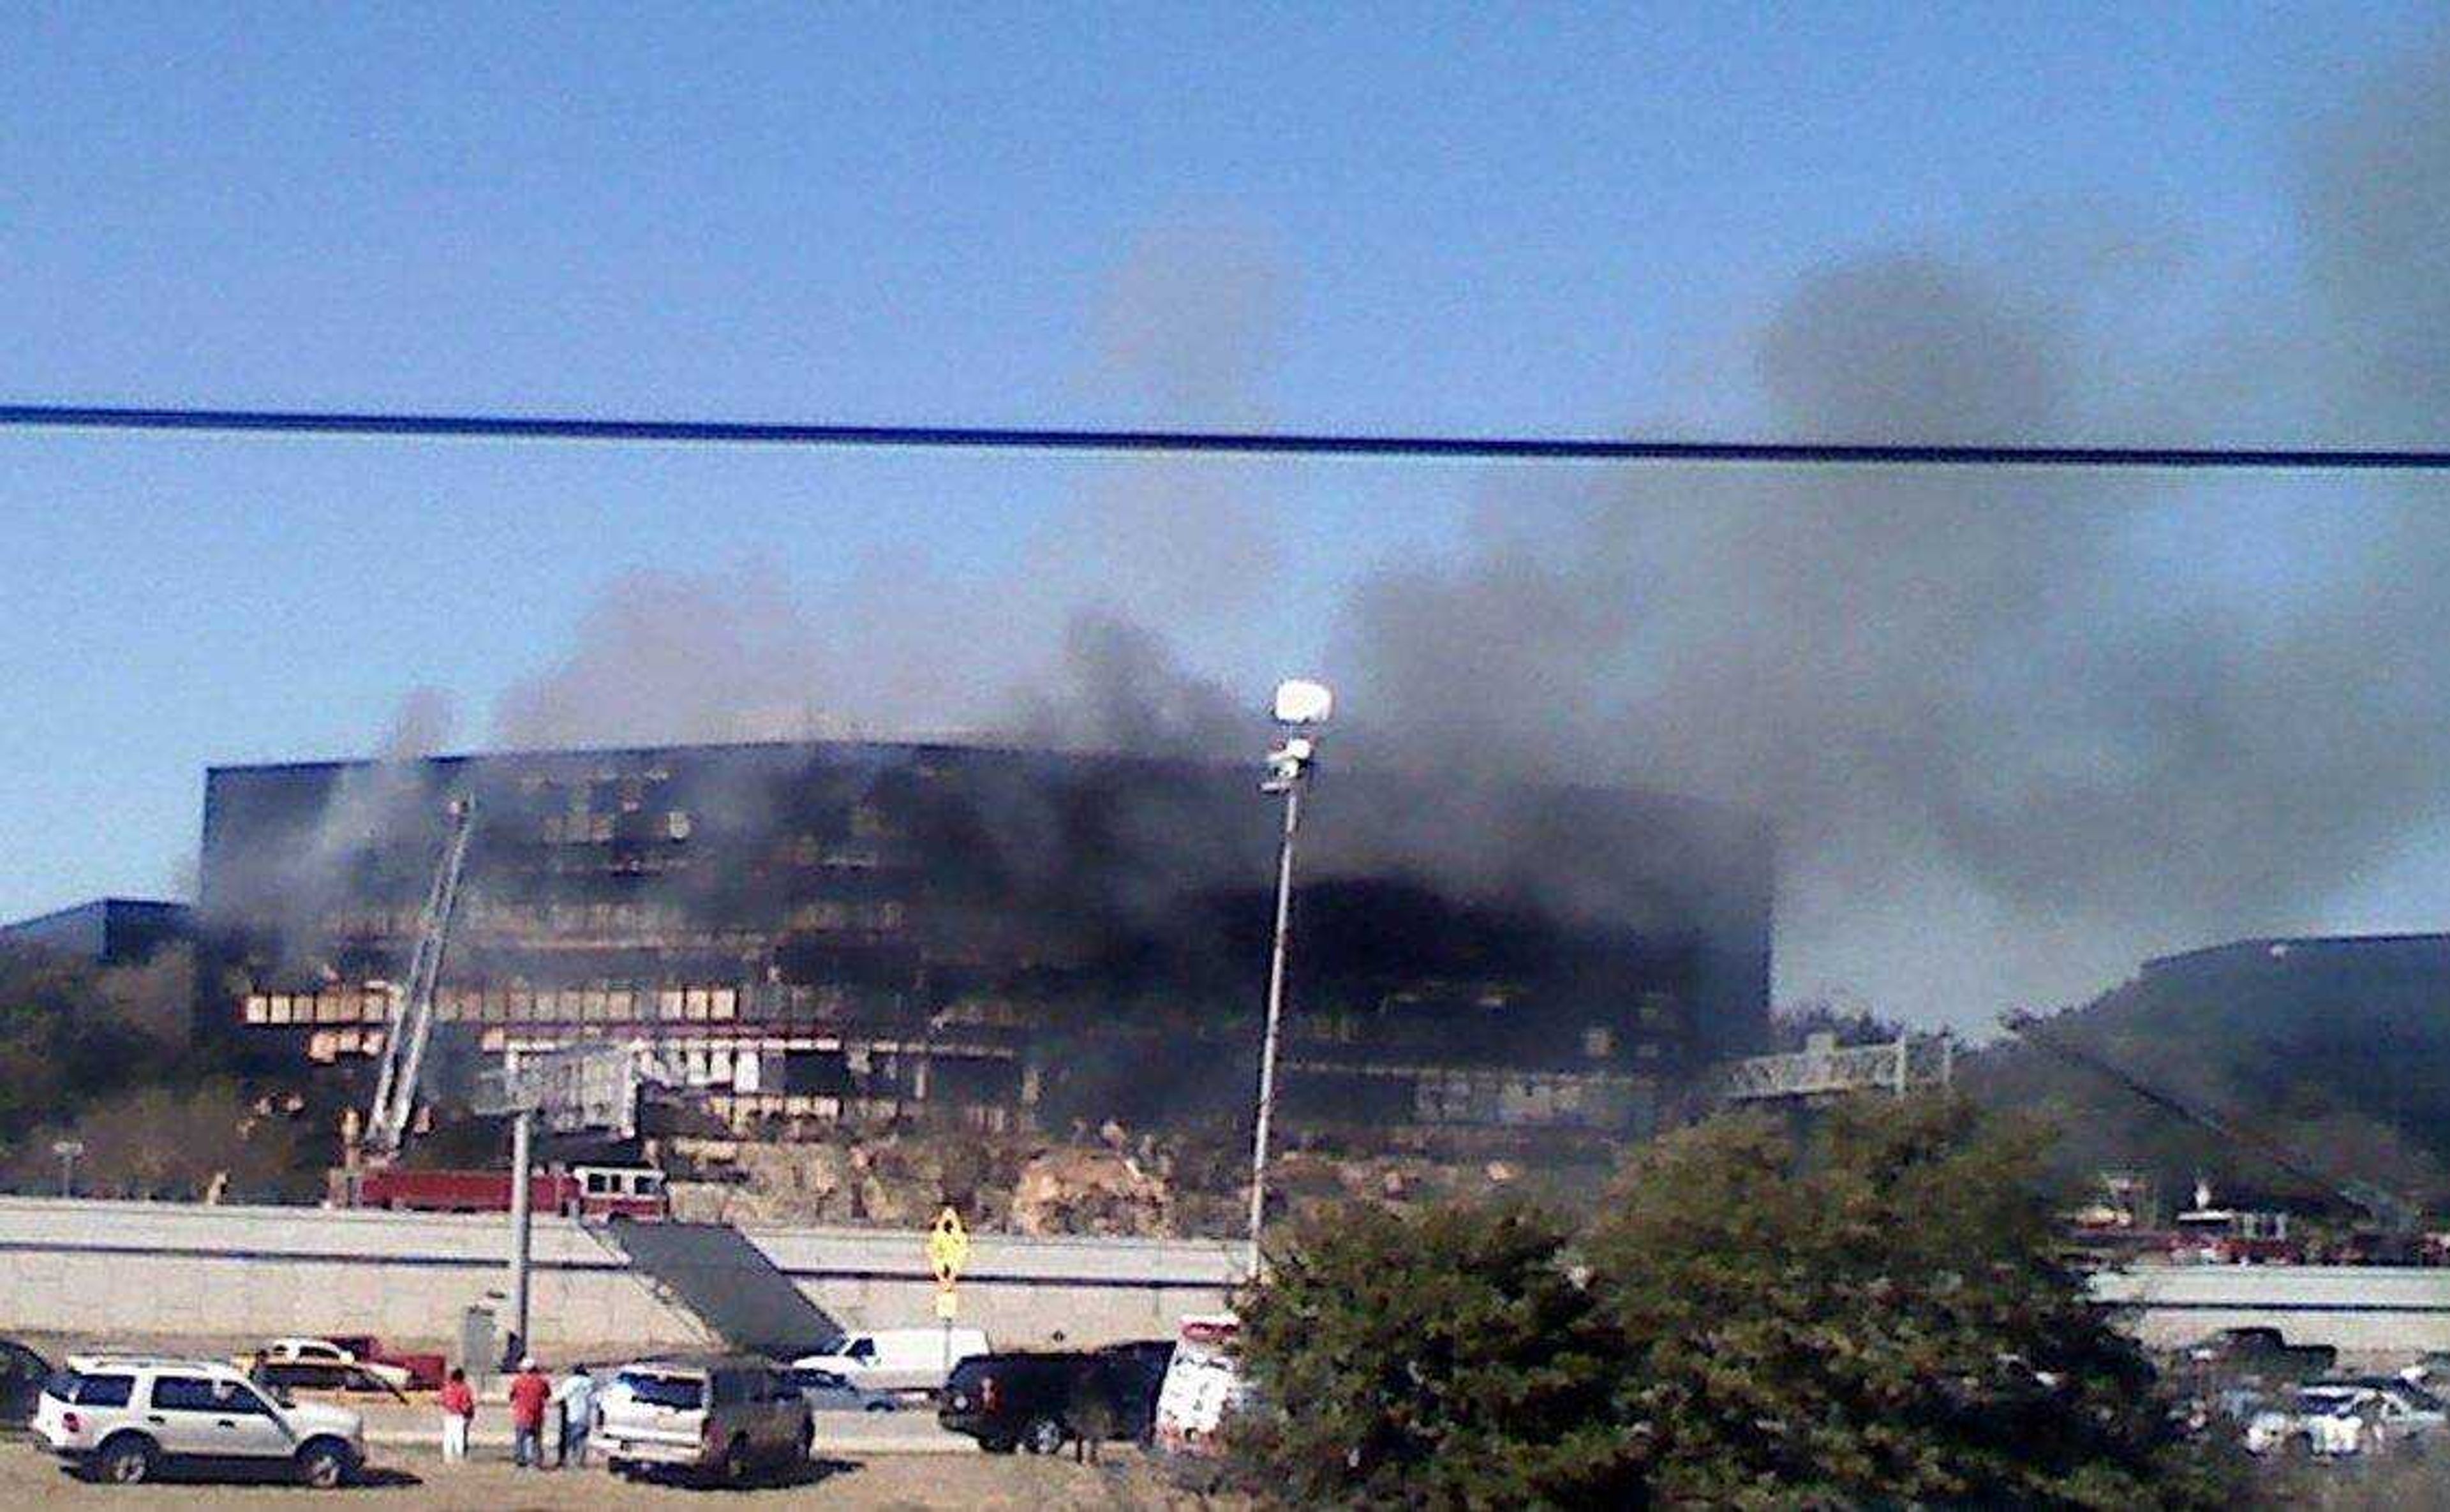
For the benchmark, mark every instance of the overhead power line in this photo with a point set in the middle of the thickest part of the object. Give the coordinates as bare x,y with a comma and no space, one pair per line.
1213,443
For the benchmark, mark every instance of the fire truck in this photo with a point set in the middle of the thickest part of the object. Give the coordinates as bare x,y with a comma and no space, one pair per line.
579,1192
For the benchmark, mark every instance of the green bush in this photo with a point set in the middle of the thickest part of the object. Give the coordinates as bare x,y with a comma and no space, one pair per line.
1438,1358
1874,1318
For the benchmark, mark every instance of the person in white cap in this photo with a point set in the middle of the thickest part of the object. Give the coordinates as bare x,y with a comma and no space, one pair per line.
529,1390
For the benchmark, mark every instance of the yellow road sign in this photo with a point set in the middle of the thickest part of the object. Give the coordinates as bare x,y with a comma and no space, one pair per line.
948,1246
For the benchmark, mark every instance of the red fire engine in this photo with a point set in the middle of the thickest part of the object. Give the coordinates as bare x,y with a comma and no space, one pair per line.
587,1191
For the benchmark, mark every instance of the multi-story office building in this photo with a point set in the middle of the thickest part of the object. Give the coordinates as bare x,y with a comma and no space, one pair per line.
828,932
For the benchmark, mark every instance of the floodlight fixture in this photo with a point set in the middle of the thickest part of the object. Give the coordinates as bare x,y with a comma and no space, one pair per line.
1301,702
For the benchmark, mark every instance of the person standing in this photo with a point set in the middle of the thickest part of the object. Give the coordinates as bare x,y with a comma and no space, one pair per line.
458,1403
529,1390
577,1395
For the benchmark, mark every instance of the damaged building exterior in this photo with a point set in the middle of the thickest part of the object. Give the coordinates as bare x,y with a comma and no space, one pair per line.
823,932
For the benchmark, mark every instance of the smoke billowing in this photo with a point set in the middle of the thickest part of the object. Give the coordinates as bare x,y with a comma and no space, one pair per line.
2015,728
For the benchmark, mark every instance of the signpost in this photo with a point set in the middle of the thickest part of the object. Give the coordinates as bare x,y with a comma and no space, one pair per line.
67,1150
948,1248
572,1089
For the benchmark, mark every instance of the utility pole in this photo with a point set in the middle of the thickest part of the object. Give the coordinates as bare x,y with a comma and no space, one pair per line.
1299,706
522,1160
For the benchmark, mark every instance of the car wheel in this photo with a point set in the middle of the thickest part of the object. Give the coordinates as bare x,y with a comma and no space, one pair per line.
324,1466
879,1406
736,1462
1043,1435
125,1460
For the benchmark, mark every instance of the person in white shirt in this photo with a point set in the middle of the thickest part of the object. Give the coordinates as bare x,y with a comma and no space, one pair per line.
575,1396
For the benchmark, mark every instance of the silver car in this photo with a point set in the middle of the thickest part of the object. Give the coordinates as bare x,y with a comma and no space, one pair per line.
727,1416
831,1391
122,1417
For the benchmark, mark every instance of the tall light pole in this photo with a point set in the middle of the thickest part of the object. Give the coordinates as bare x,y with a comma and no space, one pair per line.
1299,706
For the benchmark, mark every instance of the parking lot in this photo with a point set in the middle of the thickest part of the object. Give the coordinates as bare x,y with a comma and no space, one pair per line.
418,1478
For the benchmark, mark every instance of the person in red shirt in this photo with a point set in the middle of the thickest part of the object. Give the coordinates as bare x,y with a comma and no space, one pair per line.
458,1403
529,1390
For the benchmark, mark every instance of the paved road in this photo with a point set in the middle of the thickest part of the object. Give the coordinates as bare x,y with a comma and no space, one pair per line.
417,1480
392,1425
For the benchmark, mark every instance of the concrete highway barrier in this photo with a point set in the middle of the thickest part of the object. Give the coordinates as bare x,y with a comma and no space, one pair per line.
2370,1311
137,1268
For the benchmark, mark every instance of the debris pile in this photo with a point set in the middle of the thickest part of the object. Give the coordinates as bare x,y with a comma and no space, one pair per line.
1103,1181
1072,1190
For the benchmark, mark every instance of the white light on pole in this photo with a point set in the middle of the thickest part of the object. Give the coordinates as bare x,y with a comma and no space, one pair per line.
1299,706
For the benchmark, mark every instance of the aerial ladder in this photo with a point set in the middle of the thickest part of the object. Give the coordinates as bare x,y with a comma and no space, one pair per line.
2387,1211
411,1028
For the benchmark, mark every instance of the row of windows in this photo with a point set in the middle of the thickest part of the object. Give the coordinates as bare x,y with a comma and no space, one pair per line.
583,828
502,1005
810,851
171,1393
617,918
1485,1097
832,914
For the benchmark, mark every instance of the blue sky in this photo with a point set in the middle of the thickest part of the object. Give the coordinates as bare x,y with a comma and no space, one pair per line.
1537,219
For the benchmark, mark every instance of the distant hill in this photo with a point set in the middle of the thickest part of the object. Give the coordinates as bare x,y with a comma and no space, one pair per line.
2336,1048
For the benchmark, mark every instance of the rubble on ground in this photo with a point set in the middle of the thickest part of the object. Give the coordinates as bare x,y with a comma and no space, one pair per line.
1105,1181
1071,1189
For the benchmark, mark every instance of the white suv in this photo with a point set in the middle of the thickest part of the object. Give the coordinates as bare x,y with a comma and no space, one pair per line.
123,1417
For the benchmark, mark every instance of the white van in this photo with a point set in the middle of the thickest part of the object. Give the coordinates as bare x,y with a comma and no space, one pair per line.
899,1359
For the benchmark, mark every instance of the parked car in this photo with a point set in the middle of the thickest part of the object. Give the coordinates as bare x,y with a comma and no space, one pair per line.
2261,1352
898,1359
291,1376
828,1391
425,1368
727,1416
322,1364
2356,1415
21,1374
1042,1400
122,1417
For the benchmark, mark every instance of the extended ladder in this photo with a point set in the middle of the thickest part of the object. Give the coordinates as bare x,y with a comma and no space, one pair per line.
403,1055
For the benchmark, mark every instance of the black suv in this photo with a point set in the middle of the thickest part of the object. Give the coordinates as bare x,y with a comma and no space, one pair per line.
1041,1402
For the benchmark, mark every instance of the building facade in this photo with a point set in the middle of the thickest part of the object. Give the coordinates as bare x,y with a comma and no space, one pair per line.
109,931
846,932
